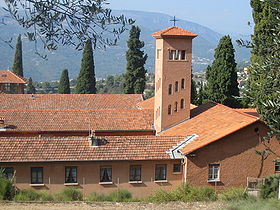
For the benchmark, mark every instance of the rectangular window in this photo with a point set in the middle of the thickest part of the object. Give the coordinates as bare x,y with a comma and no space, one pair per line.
177,168
71,174
161,171
135,173
8,172
172,54
214,172
183,54
158,53
277,167
106,174
36,175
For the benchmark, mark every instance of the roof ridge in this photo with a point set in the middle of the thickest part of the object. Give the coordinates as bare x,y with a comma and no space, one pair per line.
75,110
242,113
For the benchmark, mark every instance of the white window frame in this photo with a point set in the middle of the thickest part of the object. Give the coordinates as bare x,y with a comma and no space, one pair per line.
212,175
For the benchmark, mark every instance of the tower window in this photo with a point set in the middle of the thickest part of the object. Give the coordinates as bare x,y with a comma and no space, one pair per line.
183,55
176,86
183,84
169,109
158,53
176,107
170,89
182,105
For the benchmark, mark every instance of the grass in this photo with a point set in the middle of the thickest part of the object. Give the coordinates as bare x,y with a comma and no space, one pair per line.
115,196
253,203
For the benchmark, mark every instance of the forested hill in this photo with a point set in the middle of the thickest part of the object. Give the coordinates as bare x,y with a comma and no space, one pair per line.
111,61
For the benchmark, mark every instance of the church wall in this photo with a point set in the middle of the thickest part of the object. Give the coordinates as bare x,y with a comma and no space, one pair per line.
237,157
88,176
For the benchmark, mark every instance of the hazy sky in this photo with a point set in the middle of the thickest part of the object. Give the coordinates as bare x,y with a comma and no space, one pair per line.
225,16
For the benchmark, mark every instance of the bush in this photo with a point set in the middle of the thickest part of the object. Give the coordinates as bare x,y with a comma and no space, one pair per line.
7,188
184,193
69,194
27,195
120,195
270,188
115,196
232,194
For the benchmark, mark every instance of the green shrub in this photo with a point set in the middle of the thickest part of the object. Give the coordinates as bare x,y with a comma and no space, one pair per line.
7,188
69,194
97,197
232,194
184,193
270,188
120,196
27,195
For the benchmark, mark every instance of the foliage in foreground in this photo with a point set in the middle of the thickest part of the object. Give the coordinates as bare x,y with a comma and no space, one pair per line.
184,193
7,189
115,196
253,203
270,188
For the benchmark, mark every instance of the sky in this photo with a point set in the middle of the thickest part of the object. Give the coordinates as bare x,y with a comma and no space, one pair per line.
224,16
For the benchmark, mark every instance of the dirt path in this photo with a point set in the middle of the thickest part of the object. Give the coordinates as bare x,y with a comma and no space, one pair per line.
113,206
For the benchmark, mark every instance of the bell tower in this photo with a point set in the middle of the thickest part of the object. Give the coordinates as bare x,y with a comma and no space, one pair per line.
173,69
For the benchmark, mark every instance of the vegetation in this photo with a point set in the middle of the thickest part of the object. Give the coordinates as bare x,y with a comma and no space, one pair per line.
194,94
7,188
17,66
86,81
135,76
68,22
30,87
184,193
253,203
64,85
232,194
111,85
115,196
222,86
69,194
270,188
264,74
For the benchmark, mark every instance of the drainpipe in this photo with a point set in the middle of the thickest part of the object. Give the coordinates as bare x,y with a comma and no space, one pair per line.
185,169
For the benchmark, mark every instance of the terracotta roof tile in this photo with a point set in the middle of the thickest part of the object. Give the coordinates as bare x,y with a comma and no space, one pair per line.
69,101
174,31
78,120
24,149
10,77
210,122
249,111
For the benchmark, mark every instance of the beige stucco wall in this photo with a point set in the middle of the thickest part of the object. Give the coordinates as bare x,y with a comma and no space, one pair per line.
89,176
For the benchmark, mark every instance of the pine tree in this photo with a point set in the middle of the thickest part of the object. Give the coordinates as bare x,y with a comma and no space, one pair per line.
222,86
86,81
17,66
30,87
64,86
135,76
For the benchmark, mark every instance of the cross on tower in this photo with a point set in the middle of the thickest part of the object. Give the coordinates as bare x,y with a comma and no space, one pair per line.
174,20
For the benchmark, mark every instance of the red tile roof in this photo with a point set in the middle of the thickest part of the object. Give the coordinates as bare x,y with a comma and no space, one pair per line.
69,101
10,77
249,111
174,31
24,149
78,120
210,122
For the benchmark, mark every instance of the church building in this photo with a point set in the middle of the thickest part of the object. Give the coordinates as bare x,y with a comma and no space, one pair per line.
100,143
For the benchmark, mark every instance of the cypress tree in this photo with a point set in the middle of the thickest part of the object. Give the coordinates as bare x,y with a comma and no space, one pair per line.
86,81
17,66
30,87
221,77
264,74
194,99
135,76
64,86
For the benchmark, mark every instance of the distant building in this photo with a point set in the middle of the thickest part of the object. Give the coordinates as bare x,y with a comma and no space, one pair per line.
11,83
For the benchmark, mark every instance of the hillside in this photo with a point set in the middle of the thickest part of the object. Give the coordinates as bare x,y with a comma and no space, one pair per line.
111,61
